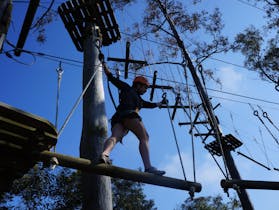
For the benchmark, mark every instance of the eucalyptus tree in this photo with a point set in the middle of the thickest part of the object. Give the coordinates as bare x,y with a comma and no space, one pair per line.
260,45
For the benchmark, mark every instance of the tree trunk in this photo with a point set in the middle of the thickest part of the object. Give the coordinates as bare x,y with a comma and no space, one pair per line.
96,189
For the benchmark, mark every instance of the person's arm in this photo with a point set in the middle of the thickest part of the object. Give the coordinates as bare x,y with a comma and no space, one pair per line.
147,104
116,82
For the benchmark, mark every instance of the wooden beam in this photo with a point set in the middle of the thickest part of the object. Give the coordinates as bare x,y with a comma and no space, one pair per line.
127,58
165,87
117,172
153,85
30,14
248,184
124,60
177,100
179,107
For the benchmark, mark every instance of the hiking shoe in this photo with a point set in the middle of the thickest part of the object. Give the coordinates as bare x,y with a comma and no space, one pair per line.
155,171
105,159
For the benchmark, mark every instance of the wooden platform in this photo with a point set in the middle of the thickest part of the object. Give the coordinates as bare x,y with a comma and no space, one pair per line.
229,142
75,14
21,134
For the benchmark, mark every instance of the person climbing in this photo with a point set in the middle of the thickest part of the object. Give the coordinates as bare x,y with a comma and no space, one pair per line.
126,118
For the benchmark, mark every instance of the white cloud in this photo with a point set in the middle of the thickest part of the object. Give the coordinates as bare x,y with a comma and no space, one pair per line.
207,172
230,78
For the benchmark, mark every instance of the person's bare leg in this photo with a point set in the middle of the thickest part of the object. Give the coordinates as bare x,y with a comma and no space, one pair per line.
137,127
117,133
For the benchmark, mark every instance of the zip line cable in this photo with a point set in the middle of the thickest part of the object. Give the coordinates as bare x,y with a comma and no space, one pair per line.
59,58
251,5
9,55
264,148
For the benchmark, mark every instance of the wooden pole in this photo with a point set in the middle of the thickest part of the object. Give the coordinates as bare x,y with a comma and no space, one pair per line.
117,172
249,184
96,189
30,14
242,194
5,18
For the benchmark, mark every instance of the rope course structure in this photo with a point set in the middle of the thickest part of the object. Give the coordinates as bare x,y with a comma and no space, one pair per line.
79,11
24,132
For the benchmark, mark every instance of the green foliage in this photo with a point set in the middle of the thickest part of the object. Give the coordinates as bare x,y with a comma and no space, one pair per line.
260,46
190,21
209,203
44,189
129,195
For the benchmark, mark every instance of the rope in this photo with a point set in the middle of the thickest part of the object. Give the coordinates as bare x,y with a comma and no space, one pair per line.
264,148
59,71
110,94
175,138
265,115
192,125
77,103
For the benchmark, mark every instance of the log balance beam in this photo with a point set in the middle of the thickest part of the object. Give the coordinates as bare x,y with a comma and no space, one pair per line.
248,184
117,172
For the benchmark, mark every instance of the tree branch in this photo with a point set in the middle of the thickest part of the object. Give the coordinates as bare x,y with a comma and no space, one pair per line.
160,27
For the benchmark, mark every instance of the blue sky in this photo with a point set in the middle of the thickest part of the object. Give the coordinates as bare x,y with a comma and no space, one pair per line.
33,88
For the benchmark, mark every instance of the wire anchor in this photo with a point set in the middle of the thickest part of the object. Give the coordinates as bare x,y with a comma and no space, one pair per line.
256,113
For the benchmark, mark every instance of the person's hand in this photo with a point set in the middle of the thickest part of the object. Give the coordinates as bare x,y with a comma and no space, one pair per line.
164,101
101,57
106,69
159,104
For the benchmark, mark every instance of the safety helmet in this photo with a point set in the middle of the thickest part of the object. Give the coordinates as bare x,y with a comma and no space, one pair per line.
141,80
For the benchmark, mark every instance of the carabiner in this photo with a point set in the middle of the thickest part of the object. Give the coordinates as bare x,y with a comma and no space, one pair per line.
164,99
256,113
265,114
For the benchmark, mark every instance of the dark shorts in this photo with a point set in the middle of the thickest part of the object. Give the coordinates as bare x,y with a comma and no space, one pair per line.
119,116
